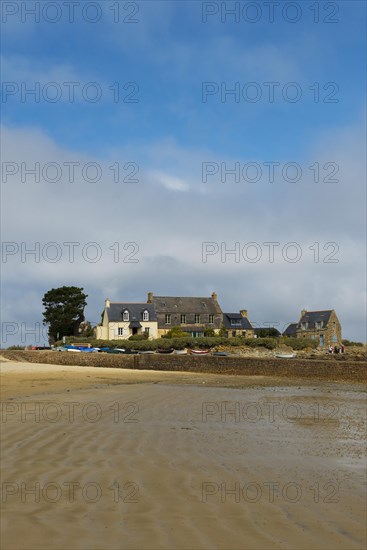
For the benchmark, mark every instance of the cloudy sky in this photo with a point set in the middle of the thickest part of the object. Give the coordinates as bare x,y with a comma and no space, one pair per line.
179,148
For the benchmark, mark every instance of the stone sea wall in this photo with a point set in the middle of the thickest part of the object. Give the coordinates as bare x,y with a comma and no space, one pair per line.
354,371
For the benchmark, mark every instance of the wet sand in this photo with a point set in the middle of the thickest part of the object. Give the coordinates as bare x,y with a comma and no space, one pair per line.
162,460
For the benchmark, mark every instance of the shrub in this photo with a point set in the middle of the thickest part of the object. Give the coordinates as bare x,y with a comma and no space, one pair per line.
16,347
268,343
299,343
350,343
175,332
266,332
139,337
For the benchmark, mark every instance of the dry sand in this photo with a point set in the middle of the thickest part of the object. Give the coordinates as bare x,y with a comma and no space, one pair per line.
124,459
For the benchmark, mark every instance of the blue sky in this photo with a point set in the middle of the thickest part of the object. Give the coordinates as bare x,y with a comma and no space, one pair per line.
164,59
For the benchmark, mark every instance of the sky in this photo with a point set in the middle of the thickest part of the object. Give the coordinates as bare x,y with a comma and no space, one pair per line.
184,147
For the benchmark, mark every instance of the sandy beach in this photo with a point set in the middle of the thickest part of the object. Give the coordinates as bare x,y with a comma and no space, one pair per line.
124,459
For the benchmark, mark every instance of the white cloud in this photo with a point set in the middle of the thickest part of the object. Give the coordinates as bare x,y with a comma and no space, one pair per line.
169,218
169,182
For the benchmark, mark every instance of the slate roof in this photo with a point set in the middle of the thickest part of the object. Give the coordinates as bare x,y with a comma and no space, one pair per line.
114,312
245,323
313,317
290,330
135,324
185,305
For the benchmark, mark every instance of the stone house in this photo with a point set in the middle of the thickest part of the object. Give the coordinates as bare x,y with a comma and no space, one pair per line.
120,320
323,326
237,324
192,315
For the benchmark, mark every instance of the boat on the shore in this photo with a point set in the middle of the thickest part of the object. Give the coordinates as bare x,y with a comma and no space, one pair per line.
285,355
168,350
180,351
221,353
200,351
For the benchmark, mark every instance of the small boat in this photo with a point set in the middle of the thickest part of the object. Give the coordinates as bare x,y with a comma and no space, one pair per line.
147,352
200,351
221,353
75,350
285,355
180,352
168,350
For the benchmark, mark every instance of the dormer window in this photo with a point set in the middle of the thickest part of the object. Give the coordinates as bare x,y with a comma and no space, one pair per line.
319,324
304,326
145,315
235,322
125,315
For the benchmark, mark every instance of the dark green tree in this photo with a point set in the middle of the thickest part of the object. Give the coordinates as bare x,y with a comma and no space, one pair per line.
267,332
64,311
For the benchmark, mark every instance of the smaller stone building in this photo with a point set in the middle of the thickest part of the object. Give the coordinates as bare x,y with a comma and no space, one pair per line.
237,324
323,326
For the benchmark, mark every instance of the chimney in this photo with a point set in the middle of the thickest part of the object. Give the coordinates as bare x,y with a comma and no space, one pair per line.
215,296
303,312
107,303
243,312
150,297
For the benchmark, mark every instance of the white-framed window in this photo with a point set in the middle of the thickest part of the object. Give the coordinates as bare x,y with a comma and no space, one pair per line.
304,326
125,315
145,315
197,319
120,331
167,318
319,324
183,319
211,319
235,323
147,330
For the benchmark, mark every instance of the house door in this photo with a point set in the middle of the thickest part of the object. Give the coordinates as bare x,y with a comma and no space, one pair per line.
135,331
321,340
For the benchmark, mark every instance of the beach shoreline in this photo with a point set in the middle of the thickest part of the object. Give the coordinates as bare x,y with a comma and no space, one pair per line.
115,459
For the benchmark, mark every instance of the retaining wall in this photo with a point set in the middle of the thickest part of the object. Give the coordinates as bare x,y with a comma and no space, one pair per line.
291,368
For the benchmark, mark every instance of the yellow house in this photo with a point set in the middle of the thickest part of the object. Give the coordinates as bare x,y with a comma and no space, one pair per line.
121,320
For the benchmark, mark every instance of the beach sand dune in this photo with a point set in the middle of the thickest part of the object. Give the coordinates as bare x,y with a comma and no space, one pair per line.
150,462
